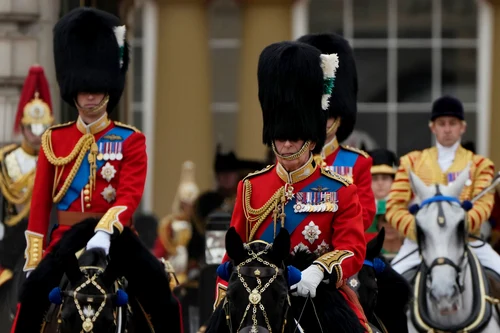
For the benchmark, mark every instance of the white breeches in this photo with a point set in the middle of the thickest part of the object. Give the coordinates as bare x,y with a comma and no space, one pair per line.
486,255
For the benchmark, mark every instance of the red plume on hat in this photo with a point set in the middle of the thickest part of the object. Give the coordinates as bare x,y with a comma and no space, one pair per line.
36,93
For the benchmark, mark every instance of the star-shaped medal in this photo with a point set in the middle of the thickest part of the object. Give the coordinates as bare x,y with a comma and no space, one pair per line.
109,193
108,172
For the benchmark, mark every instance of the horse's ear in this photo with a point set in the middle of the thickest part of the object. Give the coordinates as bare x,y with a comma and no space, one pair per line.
421,190
234,245
281,246
455,188
374,246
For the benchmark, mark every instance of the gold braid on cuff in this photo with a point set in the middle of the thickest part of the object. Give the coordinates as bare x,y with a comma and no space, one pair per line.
332,260
111,219
34,250
221,294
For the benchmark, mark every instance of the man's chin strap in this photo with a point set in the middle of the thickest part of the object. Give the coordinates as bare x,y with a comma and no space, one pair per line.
305,148
334,127
95,109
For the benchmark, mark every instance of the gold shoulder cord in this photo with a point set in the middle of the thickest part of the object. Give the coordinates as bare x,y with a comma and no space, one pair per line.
14,194
86,143
260,214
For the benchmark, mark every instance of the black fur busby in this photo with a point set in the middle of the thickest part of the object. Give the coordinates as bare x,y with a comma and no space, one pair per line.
384,161
290,81
447,106
91,54
344,94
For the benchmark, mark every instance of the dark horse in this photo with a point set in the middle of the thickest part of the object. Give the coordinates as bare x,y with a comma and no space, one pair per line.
383,293
257,298
11,264
125,292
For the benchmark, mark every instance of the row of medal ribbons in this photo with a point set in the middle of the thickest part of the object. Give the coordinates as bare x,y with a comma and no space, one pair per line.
308,202
110,151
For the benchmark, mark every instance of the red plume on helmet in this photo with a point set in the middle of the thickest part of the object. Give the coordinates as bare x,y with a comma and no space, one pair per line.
35,85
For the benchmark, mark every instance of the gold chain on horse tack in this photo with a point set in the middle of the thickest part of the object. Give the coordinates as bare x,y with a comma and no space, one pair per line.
88,323
255,295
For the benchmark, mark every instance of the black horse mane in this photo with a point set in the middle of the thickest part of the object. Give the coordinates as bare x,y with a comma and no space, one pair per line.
395,292
128,257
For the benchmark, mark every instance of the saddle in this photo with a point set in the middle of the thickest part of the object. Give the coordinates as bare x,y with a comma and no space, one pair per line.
486,285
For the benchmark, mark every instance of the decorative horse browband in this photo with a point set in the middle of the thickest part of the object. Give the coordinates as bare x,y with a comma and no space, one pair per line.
466,204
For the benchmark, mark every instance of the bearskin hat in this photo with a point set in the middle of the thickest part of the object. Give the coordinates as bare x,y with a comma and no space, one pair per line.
344,94
290,80
384,161
91,54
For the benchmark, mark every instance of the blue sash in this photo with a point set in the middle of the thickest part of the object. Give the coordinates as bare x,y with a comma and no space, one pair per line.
292,219
82,175
345,158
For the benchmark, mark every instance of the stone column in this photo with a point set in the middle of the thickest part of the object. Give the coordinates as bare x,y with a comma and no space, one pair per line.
264,22
183,120
494,138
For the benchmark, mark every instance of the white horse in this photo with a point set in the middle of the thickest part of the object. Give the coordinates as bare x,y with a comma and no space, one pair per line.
450,292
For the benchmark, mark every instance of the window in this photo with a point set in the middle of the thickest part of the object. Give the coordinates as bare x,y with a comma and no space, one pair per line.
224,42
408,53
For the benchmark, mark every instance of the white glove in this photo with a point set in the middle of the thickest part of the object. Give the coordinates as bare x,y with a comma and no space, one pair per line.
100,240
311,278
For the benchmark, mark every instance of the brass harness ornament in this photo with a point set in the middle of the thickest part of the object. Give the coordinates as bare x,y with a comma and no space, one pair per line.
255,295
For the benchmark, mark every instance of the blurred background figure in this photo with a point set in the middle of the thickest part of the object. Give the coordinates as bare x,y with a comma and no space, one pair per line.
146,226
383,172
175,230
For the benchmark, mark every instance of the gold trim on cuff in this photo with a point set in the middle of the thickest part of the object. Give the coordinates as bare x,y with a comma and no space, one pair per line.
332,260
5,275
221,294
111,219
34,250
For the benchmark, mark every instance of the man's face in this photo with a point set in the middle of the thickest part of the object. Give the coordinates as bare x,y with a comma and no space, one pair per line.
33,140
89,100
448,130
381,185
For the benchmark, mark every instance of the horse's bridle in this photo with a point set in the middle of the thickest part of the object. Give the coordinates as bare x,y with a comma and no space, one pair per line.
441,261
255,295
87,314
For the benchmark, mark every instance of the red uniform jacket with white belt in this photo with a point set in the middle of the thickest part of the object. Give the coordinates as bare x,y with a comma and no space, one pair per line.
322,214
97,170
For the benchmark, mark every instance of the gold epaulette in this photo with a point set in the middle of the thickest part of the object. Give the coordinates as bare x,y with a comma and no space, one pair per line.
133,128
319,160
60,125
335,176
7,149
252,174
356,150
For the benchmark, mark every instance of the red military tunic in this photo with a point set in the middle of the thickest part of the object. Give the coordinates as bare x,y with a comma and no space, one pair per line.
120,171
354,164
335,228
